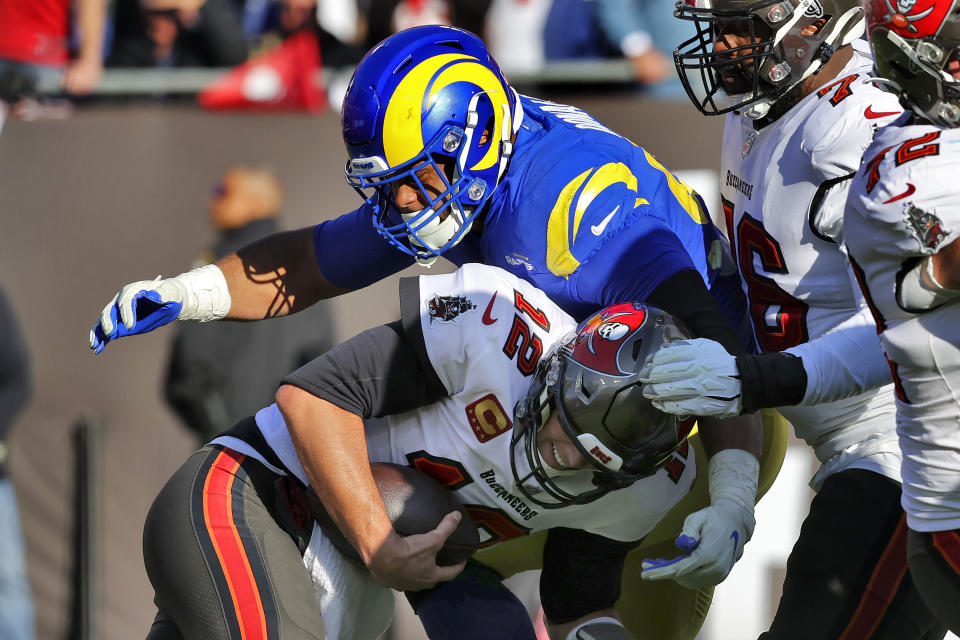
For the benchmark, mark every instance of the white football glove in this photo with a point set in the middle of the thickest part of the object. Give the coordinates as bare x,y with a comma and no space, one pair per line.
693,377
714,537
201,294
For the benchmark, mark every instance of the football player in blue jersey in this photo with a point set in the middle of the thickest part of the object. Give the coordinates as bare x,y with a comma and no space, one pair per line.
451,161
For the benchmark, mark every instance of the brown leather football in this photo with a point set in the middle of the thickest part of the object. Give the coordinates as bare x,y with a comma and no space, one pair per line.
416,503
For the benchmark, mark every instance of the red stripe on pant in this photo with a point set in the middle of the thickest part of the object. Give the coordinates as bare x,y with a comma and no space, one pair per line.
948,544
882,588
219,518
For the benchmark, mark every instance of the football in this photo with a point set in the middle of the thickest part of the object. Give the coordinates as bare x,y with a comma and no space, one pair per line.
416,503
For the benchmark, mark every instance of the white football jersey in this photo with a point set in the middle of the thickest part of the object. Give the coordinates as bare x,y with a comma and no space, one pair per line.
485,330
904,205
783,188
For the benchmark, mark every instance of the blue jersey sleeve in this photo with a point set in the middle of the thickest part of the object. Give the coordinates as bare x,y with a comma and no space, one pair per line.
351,254
633,263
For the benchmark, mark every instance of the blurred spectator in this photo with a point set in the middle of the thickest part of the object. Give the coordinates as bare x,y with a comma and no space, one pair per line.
386,17
177,33
514,34
341,18
16,605
35,52
219,374
644,32
267,22
571,32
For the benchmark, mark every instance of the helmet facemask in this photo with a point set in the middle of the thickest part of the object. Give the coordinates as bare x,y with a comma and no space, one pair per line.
448,215
786,41
544,485
916,70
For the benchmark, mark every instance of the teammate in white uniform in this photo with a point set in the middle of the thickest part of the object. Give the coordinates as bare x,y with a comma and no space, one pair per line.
902,222
793,80
583,455
785,184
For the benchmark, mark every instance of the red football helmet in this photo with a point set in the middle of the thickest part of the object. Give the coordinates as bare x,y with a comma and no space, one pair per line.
915,46
591,381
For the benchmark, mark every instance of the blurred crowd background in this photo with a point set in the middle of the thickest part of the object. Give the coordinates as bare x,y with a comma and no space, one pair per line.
66,44
140,137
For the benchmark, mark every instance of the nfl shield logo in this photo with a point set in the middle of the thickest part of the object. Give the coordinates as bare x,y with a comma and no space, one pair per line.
748,143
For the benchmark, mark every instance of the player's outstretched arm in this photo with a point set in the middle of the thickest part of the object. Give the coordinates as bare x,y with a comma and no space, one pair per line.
331,446
599,625
272,277
699,377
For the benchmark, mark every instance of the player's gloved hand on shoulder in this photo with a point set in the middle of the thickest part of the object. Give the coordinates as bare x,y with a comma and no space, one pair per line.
714,537
139,307
698,377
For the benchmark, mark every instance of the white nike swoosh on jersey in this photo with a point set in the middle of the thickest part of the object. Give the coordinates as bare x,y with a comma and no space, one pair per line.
597,229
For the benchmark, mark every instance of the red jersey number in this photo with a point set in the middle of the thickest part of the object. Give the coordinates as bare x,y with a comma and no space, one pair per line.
779,319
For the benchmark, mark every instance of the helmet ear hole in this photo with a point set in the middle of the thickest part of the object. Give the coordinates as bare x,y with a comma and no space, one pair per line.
582,390
486,132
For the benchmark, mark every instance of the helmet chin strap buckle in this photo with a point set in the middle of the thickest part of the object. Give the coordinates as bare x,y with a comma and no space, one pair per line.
756,110
825,52
599,452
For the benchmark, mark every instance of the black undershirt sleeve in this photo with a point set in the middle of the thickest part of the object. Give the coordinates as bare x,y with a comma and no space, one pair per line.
379,372
767,379
581,573
684,296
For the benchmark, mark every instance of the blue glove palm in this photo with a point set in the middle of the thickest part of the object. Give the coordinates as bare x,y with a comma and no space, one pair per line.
137,308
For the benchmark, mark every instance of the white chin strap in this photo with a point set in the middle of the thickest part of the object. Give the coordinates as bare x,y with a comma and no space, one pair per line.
757,110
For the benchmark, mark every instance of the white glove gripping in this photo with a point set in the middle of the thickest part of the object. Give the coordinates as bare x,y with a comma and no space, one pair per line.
714,536
693,377
201,294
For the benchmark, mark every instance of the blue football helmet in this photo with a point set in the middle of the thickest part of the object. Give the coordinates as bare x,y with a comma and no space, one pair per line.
425,97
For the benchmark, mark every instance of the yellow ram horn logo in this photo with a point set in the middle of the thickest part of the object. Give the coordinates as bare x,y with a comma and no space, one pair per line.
563,225
402,132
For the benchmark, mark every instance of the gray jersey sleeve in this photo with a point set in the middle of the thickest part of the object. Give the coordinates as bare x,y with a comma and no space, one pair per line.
374,374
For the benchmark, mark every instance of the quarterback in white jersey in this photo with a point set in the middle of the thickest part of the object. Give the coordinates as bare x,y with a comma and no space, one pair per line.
535,425
485,332
902,221
794,83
